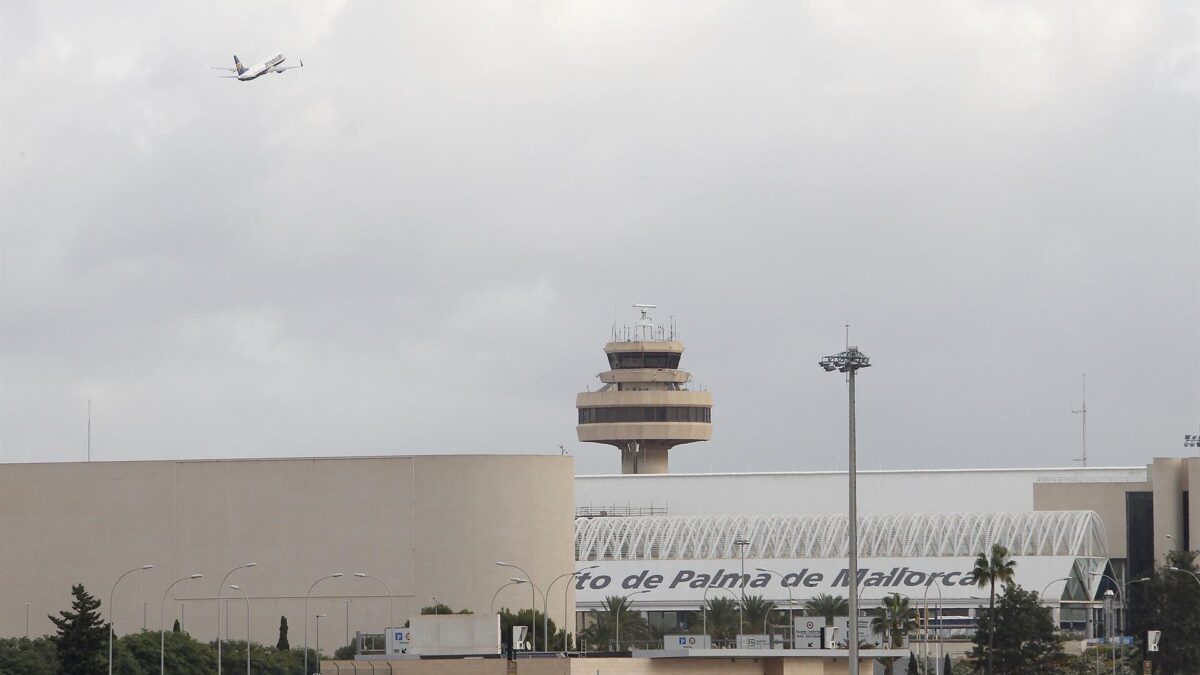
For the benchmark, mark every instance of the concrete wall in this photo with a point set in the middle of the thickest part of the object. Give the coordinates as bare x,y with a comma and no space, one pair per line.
1169,478
1106,499
603,666
429,526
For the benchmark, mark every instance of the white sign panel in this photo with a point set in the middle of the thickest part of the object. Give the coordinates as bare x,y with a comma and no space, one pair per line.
399,640
685,642
865,634
681,583
753,641
808,632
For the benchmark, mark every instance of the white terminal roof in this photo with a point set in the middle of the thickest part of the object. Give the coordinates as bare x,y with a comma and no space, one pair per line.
815,492
1031,533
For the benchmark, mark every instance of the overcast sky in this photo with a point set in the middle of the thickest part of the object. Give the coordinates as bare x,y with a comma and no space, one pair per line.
418,242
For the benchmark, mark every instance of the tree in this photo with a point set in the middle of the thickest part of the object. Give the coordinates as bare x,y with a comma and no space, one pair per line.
1172,605
988,570
28,657
282,643
756,610
897,620
82,637
912,664
176,628
947,667
1020,636
603,629
526,617
721,615
827,606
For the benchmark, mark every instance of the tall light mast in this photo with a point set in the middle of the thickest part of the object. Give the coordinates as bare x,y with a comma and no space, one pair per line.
1083,412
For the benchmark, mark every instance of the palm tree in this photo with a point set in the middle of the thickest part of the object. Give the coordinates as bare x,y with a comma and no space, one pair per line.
756,610
722,618
827,606
603,629
897,620
988,570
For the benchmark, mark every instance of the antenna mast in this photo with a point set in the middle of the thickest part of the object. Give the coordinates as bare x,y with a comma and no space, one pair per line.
1083,412
89,438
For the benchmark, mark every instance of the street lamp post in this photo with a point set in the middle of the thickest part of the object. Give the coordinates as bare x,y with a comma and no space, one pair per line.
621,608
391,605
532,602
512,581
937,667
849,362
1178,569
318,647
111,617
335,575
546,608
791,604
221,589
704,606
27,620
162,623
1043,597
247,599
742,543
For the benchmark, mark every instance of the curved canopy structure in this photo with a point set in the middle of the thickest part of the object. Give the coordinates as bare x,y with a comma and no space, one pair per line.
1031,533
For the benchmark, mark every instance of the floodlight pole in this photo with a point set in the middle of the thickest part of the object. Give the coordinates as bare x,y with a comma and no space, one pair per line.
849,362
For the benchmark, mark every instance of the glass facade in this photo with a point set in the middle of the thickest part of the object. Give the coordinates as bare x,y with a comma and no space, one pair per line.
613,414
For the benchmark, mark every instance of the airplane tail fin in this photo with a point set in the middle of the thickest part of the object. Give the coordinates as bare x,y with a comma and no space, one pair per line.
238,65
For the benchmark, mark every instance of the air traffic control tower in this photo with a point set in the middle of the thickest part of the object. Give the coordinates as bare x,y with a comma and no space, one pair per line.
644,406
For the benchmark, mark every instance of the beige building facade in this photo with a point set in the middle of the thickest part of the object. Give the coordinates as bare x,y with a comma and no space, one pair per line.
427,526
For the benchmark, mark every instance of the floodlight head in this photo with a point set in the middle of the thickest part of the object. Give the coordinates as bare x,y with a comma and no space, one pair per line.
250,564
336,575
502,563
147,567
518,580
847,361
235,587
196,576
360,574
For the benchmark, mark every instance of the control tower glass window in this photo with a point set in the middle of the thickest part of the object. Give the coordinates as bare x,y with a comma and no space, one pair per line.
619,414
627,360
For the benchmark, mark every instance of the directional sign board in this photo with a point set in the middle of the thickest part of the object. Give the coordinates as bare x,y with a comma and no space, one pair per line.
808,632
685,642
753,641
399,640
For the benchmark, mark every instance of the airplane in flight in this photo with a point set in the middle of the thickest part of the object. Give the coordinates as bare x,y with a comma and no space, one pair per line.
272,64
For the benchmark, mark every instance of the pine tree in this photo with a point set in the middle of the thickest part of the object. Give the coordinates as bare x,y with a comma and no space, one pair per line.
82,637
912,664
282,644
947,667
176,628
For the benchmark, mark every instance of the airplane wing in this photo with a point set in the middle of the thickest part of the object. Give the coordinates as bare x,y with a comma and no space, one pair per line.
280,69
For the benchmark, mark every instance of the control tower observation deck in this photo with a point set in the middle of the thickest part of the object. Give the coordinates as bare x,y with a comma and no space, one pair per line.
644,406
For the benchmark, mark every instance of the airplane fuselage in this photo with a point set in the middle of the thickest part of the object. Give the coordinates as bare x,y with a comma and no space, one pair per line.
262,68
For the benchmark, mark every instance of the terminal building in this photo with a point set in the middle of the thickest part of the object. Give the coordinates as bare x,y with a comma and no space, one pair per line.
431,529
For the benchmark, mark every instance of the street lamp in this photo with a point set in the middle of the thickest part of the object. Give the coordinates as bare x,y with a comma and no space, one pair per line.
1177,569
704,606
937,667
335,575
247,599
318,636
111,618
220,589
162,623
513,580
849,362
532,602
791,619
620,608
546,608
742,543
391,606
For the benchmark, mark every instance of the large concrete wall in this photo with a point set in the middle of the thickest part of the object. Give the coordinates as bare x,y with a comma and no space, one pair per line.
429,526
1106,499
